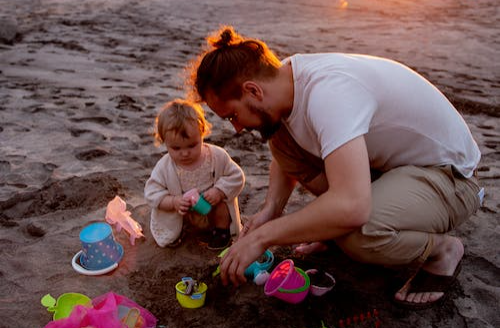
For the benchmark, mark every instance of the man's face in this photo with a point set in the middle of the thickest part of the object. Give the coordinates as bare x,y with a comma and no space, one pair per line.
243,114
267,127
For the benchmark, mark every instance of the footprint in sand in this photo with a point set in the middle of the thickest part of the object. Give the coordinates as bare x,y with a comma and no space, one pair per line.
67,194
112,79
4,167
34,230
87,134
250,159
96,119
485,271
12,175
64,70
90,154
491,144
124,143
127,103
486,127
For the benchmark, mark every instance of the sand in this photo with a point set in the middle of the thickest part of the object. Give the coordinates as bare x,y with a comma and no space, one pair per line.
80,82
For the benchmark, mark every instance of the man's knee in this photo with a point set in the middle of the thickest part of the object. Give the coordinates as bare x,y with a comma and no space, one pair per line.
367,244
390,248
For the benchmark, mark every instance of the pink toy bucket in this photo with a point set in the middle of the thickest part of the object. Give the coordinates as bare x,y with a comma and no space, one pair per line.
288,283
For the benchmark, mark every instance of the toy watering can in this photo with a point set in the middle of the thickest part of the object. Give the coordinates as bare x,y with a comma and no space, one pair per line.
65,303
258,269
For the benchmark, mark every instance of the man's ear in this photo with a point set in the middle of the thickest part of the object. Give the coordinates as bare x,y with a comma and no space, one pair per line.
253,89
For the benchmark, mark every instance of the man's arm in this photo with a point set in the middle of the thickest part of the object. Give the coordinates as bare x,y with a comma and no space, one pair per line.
280,188
344,207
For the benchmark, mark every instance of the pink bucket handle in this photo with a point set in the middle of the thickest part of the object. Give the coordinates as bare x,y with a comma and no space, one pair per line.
300,289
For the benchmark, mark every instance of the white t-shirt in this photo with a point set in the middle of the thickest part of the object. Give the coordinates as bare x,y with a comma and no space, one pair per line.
405,120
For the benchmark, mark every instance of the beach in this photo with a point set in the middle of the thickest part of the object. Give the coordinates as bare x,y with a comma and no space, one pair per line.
80,85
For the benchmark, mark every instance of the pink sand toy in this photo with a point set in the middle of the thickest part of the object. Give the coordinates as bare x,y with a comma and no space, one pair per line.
116,213
198,203
107,311
288,283
326,279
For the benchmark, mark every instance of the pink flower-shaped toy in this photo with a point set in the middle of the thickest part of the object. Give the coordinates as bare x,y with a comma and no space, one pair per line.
116,213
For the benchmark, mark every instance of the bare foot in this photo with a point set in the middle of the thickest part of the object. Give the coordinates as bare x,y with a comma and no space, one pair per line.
309,248
443,260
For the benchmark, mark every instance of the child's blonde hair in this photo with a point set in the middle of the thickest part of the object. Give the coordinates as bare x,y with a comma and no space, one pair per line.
175,115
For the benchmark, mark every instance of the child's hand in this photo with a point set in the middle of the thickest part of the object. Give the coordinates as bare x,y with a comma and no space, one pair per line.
181,204
214,196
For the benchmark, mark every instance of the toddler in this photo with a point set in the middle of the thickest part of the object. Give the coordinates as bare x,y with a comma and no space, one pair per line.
191,163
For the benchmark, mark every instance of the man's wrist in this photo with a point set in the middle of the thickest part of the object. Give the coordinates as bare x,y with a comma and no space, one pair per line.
272,208
262,237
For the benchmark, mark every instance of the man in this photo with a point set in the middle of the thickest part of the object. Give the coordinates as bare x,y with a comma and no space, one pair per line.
389,158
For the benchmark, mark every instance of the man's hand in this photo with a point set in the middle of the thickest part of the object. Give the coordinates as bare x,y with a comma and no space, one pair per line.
214,196
240,255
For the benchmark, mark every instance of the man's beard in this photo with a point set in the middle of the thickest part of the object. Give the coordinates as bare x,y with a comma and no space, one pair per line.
267,127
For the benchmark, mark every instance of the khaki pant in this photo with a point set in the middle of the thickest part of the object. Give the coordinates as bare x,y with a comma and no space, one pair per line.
409,206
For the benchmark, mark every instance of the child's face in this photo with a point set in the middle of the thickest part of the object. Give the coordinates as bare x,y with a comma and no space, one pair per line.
185,151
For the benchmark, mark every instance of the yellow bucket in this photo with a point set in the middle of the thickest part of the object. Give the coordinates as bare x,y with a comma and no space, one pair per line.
193,301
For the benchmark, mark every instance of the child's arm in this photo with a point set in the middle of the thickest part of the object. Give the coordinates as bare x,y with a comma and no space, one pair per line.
175,203
157,193
214,196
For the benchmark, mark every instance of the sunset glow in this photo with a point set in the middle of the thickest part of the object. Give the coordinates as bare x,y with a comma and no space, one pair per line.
343,4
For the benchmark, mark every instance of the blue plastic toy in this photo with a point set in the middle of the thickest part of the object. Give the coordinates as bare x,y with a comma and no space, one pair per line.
258,270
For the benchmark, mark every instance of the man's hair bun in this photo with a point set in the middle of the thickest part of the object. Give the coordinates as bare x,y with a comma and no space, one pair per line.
225,37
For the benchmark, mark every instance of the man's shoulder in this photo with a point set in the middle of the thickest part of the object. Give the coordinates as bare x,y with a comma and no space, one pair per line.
319,56
310,68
